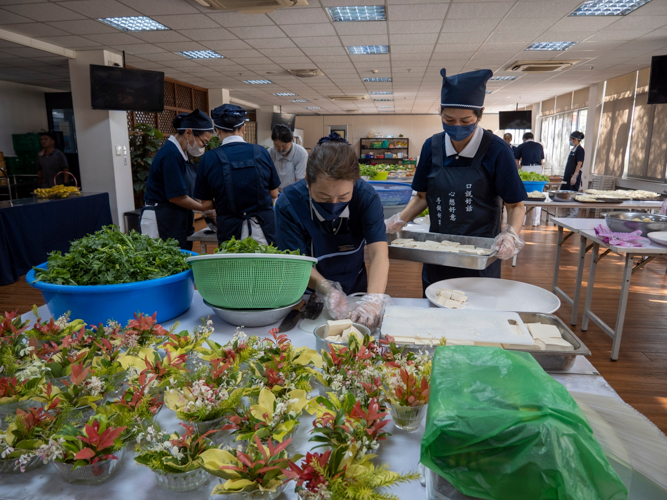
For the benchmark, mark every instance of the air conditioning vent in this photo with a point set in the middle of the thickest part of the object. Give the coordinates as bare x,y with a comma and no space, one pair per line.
348,98
353,111
306,73
540,66
251,6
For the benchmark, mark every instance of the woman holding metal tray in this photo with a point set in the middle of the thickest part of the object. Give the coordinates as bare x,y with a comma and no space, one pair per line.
463,176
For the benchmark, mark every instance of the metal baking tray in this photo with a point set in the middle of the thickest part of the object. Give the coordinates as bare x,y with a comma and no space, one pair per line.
553,361
461,260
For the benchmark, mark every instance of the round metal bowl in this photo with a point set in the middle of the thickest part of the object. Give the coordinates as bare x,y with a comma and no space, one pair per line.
251,318
621,222
323,345
562,195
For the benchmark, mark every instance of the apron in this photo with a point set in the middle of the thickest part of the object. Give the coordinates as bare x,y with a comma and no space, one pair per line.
570,167
168,220
340,255
461,201
232,222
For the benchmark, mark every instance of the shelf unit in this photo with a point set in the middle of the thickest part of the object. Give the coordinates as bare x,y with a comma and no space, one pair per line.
365,147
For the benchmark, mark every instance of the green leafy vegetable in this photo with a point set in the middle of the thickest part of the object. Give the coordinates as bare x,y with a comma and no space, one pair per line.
533,176
109,257
424,213
368,170
251,246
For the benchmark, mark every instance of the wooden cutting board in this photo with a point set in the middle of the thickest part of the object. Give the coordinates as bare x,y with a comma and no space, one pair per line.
470,325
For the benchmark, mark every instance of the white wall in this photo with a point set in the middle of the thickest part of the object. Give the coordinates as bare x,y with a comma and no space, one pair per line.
417,128
22,111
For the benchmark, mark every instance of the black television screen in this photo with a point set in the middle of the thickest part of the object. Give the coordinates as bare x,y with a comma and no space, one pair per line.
285,119
657,86
514,120
123,89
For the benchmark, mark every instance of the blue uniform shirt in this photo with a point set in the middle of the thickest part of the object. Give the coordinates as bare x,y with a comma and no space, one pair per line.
166,177
530,153
210,183
498,163
366,217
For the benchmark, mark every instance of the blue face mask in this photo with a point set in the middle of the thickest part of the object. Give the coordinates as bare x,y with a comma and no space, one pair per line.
329,211
458,132
572,143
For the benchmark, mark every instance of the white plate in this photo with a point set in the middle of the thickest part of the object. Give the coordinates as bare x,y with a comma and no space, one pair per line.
490,294
423,221
659,237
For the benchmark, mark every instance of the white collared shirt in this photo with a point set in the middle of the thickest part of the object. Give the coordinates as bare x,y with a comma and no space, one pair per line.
173,139
471,148
290,167
232,138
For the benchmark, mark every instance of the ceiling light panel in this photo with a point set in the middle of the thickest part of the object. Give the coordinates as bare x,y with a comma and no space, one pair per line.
139,23
285,94
503,78
382,100
385,107
382,93
313,107
299,100
551,46
359,13
377,79
200,54
258,82
608,7
360,50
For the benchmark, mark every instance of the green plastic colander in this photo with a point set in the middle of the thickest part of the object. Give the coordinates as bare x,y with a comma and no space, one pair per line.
251,280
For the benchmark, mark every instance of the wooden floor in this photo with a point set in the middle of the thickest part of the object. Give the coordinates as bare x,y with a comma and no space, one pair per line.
640,374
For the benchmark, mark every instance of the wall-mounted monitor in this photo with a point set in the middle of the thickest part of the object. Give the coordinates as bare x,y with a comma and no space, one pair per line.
515,120
657,86
123,89
285,119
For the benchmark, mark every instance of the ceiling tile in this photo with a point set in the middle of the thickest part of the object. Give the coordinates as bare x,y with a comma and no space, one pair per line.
362,28
181,46
36,30
414,39
24,52
416,12
271,43
545,9
164,7
7,18
299,16
140,49
651,9
476,26
317,41
161,56
290,52
241,53
70,41
114,39
425,56
238,20
365,40
100,8
640,23
226,44
295,30
160,36
83,27
411,49
478,10
583,23
258,32
525,37
208,34
398,27
610,34
187,21
43,12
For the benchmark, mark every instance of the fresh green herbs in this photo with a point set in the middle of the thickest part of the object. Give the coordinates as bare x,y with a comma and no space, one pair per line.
109,257
532,176
368,170
251,246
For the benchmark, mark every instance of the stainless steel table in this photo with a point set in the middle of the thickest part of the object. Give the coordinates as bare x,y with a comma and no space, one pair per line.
628,205
205,239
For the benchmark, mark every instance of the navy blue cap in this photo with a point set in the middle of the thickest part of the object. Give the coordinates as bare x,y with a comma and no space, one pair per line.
577,135
197,120
465,90
228,117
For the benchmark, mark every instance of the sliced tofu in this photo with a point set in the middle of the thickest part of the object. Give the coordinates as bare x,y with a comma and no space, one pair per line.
452,304
519,347
459,296
540,344
402,241
447,243
540,331
353,331
336,328
558,345
444,293
467,247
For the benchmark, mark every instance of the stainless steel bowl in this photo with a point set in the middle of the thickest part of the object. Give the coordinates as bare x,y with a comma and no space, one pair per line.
251,318
562,195
323,345
621,222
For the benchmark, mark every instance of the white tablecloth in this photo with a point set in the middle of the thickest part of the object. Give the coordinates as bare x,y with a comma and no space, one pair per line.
133,482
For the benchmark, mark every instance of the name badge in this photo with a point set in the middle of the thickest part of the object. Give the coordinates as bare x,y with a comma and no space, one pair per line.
346,248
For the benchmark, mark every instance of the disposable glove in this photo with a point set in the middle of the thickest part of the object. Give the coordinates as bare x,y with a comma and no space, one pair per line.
334,299
395,224
369,310
508,243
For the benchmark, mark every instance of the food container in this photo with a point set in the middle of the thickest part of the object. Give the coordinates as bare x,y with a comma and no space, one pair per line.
380,176
392,193
562,195
534,186
257,494
553,360
407,418
90,475
252,318
251,280
376,145
169,297
321,344
460,260
621,222
183,481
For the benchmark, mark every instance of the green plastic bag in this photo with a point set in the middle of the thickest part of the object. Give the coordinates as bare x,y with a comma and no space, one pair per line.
499,428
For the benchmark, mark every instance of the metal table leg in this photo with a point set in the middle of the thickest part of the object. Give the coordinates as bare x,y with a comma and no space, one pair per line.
589,287
623,303
578,283
554,284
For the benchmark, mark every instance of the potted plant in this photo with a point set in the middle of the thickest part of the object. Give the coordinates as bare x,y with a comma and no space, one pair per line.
184,343
52,331
142,331
255,473
175,460
16,394
89,454
407,388
334,475
25,433
134,409
153,371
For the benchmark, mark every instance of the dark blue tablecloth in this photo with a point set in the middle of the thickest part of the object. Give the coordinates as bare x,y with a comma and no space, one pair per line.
31,229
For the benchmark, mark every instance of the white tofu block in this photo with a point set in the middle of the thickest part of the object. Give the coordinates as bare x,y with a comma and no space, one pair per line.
542,346
520,347
447,243
334,328
459,297
445,294
558,344
451,304
466,247
335,338
401,241
540,331
353,331
441,300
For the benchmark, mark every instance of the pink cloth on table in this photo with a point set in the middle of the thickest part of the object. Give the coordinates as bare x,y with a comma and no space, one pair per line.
633,239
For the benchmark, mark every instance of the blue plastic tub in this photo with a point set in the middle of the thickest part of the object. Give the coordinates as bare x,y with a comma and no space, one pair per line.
169,297
392,193
534,186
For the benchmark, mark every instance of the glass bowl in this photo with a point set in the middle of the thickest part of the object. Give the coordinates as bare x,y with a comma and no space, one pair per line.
9,466
183,481
407,418
90,475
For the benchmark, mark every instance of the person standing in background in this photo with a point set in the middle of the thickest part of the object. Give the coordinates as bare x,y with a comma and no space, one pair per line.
572,175
50,161
529,158
289,158
508,139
